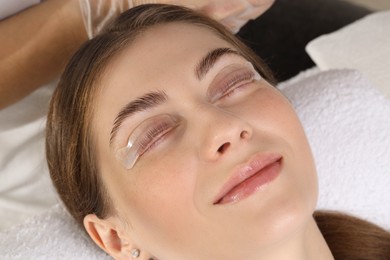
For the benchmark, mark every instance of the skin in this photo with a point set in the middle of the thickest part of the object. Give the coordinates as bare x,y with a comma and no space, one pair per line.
35,46
164,204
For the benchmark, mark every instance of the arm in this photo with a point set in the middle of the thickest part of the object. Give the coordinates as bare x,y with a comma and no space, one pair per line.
35,46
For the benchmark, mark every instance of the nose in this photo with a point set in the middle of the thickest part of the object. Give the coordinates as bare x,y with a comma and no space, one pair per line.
222,132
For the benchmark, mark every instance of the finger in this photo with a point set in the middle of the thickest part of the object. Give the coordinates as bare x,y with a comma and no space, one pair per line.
221,10
261,2
233,24
252,13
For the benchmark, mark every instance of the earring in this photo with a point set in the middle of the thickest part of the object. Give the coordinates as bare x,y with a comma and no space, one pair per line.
135,253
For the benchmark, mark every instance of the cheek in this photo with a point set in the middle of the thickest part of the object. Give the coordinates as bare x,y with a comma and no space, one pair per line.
268,111
272,115
302,177
159,206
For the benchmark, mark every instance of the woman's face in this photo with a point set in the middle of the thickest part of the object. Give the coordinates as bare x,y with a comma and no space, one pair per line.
220,167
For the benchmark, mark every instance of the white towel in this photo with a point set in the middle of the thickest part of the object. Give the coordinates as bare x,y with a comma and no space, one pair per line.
363,45
25,186
53,235
347,122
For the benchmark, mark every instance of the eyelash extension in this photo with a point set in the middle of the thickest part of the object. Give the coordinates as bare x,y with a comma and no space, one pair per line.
232,82
227,81
144,137
152,135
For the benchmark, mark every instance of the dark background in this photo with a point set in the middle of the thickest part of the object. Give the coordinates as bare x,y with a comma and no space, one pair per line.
280,35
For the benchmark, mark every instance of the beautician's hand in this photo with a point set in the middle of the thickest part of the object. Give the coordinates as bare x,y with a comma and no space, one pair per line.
97,13
232,13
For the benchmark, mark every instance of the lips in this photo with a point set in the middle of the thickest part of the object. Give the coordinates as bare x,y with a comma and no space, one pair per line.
249,177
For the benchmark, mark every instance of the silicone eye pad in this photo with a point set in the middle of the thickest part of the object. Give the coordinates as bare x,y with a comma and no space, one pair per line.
257,75
145,135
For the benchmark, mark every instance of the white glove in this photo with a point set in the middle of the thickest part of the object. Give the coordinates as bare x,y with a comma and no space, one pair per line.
97,13
232,13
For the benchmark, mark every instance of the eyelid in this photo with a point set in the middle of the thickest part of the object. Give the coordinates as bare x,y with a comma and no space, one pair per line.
214,92
135,147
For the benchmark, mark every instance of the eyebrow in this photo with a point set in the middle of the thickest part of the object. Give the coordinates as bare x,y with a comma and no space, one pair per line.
153,99
208,61
147,101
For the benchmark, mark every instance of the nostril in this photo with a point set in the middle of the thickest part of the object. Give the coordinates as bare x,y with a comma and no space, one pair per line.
244,134
223,147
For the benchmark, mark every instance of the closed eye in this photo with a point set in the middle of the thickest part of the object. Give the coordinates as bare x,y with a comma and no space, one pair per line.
235,82
145,137
230,81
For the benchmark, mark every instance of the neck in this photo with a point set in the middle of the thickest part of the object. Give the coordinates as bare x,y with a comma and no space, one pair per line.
314,244
306,245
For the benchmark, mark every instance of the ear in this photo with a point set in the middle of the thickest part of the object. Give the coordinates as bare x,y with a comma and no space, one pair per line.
106,235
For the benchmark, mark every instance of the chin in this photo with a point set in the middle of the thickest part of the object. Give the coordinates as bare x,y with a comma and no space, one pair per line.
287,218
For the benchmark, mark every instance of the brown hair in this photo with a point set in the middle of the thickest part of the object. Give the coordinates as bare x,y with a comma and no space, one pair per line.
349,237
70,148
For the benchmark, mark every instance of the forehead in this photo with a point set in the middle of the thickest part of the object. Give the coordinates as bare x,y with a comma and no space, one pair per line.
160,51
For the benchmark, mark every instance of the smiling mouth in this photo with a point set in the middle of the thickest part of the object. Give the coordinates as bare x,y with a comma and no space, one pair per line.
250,178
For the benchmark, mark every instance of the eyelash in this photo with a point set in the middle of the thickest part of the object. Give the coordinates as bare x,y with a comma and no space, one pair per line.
145,136
153,135
234,82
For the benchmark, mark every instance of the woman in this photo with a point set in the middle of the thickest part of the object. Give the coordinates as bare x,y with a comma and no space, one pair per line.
167,140
37,40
